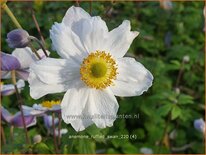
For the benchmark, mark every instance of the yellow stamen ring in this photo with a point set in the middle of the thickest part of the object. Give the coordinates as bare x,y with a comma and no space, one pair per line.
50,104
98,70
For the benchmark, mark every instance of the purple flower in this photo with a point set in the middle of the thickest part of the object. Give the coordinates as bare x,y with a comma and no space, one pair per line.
8,89
16,120
199,124
48,125
20,60
18,38
34,110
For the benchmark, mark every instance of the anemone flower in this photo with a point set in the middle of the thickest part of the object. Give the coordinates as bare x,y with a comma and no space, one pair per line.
19,60
199,124
9,89
49,126
16,120
41,109
92,70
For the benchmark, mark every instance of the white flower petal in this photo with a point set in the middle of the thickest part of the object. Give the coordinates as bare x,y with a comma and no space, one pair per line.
26,57
103,107
74,14
39,88
20,84
120,39
133,78
66,42
73,107
56,71
93,33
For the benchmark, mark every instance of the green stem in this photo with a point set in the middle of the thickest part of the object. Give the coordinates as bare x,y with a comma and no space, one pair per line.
59,129
54,134
12,133
3,135
39,43
164,134
11,15
20,102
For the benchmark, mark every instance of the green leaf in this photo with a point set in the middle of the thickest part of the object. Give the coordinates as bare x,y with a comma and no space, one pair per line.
185,99
41,148
128,148
164,110
176,112
95,133
86,146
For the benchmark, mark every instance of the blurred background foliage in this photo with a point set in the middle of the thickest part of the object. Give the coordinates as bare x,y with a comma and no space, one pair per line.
166,38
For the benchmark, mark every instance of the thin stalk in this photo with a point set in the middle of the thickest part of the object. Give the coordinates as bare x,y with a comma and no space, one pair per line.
77,3
39,43
20,102
3,135
164,133
90,7
180,74
59,129
34,51
11,15
54,134
12,133
37,27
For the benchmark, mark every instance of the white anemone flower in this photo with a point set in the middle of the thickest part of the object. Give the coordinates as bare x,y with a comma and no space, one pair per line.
92,70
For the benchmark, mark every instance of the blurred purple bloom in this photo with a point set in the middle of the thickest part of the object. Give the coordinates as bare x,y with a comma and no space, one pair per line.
18,38
48,125
48,121
34,110
9,62
8,89
20,60
199,124
16,120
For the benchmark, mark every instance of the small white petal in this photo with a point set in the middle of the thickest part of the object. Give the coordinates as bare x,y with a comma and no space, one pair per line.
73,15
20,84
132,78
120,39
66,42
39,88
56,71
26,57
103,107
73,107
93,33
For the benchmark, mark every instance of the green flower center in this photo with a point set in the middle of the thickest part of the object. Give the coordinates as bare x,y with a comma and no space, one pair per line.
98,69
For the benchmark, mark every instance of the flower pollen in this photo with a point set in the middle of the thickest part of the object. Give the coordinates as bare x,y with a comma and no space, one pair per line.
50,104
98,70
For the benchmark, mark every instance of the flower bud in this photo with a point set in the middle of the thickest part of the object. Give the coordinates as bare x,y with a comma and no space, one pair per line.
37,139
146,150
18,38
199,124
186,58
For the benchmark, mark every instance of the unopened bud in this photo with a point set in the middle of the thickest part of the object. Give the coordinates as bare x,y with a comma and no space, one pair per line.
37,139
173,134
177,91
18,38
186,58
